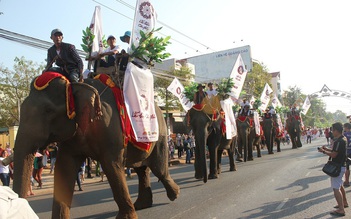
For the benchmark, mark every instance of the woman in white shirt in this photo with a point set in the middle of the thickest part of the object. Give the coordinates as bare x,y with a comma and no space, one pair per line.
4,170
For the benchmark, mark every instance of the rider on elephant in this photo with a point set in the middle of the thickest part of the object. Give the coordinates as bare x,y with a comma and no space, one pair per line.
245,111
200,94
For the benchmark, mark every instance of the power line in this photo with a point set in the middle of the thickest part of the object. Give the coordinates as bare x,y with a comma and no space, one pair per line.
172,39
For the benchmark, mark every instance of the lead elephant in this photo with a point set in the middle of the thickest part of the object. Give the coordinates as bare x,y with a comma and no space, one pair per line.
294,127
206,123
44,119
246,137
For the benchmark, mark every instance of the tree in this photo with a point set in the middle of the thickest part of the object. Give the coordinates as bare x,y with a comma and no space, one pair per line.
14,88
255,81
161,84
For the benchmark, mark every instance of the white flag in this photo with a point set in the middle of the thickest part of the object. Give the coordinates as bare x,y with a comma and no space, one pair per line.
275,102
177,89
252,101
238,75
306,106
230,124
96,29
265,97
144,19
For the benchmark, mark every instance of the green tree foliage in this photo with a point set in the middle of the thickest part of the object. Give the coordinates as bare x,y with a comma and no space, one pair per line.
255,81
14,88
160,86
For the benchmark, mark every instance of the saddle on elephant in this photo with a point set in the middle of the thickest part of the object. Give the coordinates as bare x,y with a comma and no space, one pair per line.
210,106
43,81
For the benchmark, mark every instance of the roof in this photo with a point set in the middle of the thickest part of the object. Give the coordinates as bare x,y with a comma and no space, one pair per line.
275,74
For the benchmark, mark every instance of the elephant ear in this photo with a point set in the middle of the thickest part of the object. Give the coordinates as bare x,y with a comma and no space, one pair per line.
87,104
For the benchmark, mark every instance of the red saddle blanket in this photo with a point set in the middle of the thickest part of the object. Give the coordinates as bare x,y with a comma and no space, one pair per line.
128,132
43,81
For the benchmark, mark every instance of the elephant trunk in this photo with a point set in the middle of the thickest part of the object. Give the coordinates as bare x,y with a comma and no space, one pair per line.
23,162
203,161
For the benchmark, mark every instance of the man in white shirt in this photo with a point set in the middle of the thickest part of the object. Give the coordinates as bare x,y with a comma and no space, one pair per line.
211,91
110,52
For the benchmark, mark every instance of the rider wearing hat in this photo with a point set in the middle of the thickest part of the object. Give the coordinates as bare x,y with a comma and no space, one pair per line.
200,94
65,56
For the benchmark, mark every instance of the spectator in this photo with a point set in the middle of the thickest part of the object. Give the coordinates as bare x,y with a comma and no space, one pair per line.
179,145
338,154
347,134
187,149
38,168
101,173
82,172
331,135
129,173
309,136
4,170
326,134
171,147
65,56
53,150
8,149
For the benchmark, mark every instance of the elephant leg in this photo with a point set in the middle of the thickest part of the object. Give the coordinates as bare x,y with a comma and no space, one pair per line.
213,174
115,174
219,161
144,199
232,166
197,163
64,181
158,165
278,145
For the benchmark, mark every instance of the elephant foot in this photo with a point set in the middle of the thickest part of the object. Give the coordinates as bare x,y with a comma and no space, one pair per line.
232,169
173,193
271,152
294,147
129,215
212,176
259,155
250,158
278,150
198,177
144,199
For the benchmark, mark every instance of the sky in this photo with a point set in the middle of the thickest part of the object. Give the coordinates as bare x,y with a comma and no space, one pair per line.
308,42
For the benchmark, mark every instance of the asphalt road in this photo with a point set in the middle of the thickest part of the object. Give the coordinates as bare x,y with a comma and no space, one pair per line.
289,184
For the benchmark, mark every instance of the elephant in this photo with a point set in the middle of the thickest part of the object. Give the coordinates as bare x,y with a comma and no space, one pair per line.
268,130
96,132
206,124
294,128
247,137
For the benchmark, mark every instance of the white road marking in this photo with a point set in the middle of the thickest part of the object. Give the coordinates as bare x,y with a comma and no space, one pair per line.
282,204
307,174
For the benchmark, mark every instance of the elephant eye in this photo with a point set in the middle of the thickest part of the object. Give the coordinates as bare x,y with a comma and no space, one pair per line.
48,109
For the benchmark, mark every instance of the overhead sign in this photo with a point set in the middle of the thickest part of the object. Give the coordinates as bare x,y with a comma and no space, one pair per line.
218,65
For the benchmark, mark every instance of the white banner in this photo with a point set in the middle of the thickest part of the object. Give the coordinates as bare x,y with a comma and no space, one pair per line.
144,19
177,89
257,123
306,106
252,101
238,74
275,102
265,97
96,29
230,124
139,97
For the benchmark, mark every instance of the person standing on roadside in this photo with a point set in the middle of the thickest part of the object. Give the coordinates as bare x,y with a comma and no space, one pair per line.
338,155
4,170
53,149
347,134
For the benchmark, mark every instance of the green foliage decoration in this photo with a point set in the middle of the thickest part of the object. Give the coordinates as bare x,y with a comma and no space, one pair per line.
190,90
151,49
224,87
88,39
